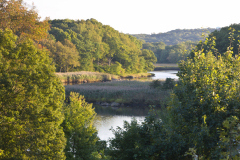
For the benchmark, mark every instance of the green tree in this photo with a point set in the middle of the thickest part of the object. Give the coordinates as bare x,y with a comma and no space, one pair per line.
101,48
152,139
150,58
78,128
175,36
65,55
23,22
30,102
206,95
59,34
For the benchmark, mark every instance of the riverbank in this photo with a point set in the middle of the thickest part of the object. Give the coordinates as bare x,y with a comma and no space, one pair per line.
90,77
125,92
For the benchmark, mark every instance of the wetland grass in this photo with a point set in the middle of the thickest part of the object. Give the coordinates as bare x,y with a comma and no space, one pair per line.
166,66
89,77
126,91
85,76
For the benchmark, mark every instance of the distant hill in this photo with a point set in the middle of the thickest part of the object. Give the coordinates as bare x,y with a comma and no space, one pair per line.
223,40
176,36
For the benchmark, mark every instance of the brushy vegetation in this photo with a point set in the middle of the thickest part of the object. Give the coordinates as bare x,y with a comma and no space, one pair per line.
120,91
167,84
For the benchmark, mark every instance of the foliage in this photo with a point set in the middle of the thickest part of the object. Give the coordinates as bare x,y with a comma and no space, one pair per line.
65,55
205,97
156,84
224,38
170,53
175,36
152,139
78,128
202,117
30,103
229,137
103,49
101,146
173,46
23,22
167,84
125,144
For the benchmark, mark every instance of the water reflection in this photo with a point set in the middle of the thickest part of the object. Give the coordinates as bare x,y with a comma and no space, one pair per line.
105,123
111,117
162,75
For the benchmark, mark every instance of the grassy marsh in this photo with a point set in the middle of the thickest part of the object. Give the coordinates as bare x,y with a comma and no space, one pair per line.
166,66
126,91
85,76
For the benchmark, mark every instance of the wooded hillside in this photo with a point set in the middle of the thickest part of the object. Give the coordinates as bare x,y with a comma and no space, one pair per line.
175,45
91,46
175,36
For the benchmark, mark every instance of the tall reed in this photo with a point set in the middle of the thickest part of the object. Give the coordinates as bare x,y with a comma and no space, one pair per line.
138,92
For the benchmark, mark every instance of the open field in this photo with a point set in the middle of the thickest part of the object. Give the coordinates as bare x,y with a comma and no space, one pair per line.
127,92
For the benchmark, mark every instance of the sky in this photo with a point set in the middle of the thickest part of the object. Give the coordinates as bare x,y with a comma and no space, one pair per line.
144,16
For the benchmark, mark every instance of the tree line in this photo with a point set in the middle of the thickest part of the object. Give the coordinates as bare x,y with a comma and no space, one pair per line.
175,45
170,53
176,36
91,46
174,53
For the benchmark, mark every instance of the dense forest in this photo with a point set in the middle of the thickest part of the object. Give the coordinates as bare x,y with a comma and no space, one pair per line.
170,53
91,46
176,36
175,45
199,121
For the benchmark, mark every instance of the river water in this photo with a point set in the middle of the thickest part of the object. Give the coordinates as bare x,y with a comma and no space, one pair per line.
162,75
108,117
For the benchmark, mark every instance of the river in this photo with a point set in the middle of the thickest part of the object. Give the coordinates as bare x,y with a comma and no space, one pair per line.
162,75
108,117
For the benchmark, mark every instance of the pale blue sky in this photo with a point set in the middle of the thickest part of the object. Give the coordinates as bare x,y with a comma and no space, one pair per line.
144,16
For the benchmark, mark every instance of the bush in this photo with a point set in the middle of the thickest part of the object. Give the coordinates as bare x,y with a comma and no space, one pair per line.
168,84
156,84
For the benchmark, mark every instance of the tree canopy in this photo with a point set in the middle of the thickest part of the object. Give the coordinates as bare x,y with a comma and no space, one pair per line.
78,128
170,53
101,48
22,21
30,103
206,96
175,36
227,37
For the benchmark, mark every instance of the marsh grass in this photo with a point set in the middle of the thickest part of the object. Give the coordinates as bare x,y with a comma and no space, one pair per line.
133,92
137,75
166,66
85,76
